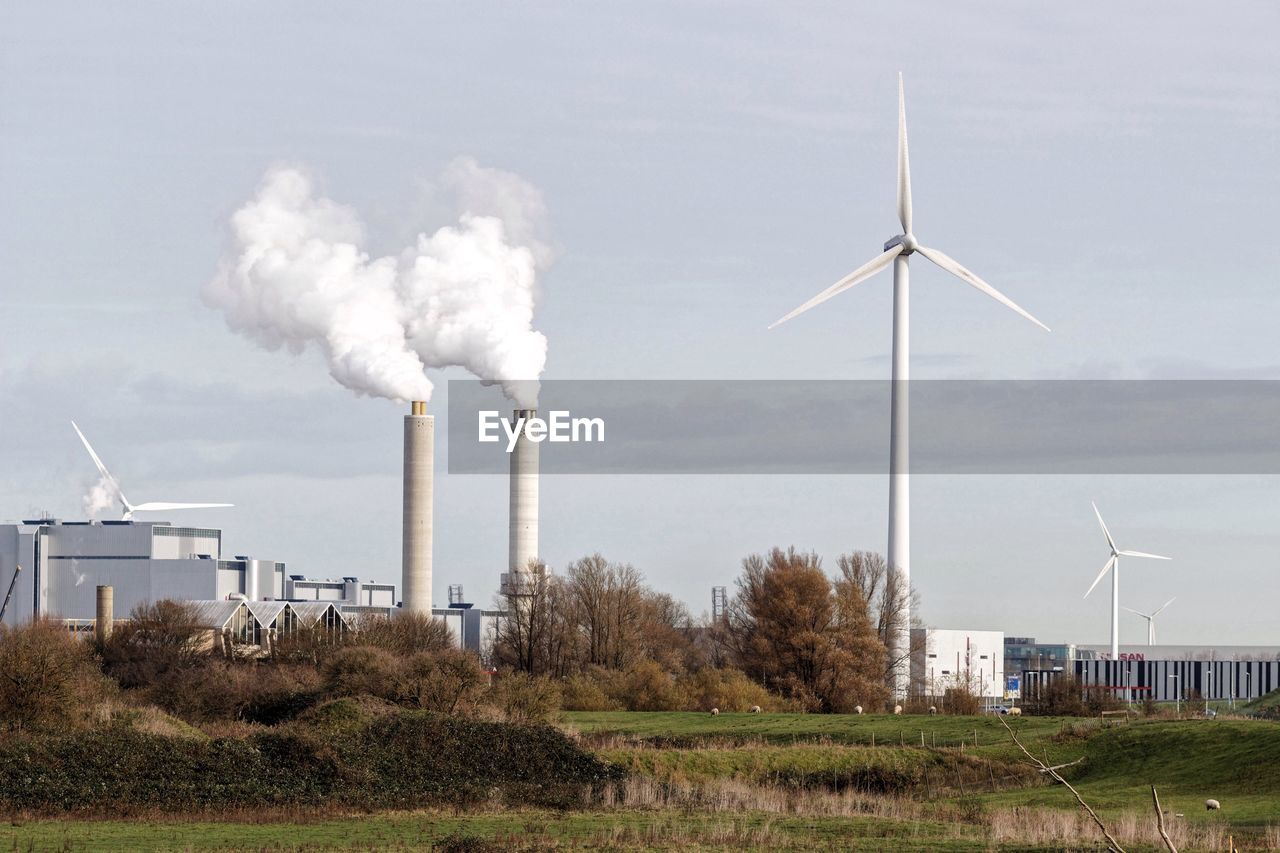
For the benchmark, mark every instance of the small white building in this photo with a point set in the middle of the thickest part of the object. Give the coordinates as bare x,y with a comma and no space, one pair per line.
948,658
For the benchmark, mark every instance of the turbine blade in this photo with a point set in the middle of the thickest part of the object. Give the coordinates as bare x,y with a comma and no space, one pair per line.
954,267
1166,604
102,469
862,273
1137,612
1105,531
904,163
1102,574
1143,554
158,506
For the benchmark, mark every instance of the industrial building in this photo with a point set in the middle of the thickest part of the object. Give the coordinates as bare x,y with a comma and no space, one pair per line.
350,593
1183,652
1165,680
946,659
64,562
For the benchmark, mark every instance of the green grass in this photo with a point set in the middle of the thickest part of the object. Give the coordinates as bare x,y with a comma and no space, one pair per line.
673,727
613,830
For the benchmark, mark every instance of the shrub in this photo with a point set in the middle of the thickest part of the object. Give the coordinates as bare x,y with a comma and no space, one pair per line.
650,688
583,692
47,678
157,639
405,633
523,698
408,759
726,689
450,681
357,670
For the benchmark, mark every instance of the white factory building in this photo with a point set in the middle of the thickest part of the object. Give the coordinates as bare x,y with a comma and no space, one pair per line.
944,659
63,563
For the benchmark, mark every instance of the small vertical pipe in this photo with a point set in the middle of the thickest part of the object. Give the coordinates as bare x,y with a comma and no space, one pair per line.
105,615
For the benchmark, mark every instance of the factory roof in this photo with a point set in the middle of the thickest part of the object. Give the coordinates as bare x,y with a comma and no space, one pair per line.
266,611
312,612
214,614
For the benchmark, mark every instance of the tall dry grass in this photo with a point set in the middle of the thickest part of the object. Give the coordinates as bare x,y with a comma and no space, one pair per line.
1054,827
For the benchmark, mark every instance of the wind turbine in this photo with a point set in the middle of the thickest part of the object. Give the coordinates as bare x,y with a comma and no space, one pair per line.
898,252
1151,620
130,509
1113,566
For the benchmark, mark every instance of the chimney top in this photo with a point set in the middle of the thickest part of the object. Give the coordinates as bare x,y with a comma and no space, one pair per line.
418,407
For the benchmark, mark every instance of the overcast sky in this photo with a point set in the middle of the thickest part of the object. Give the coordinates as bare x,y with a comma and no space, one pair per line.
1114,168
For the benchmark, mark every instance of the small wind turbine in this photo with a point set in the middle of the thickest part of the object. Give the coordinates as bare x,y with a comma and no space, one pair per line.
897,251
130,509
1113,566
1151,619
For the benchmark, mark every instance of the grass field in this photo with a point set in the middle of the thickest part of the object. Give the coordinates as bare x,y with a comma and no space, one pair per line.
809,782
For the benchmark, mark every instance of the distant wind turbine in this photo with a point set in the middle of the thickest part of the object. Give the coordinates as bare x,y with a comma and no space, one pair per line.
1151,619
1113,566
130,509
897,251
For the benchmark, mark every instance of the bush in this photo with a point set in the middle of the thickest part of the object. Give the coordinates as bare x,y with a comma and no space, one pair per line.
361,670
408,759
405,634
157,639
48,679
583,692
448,682
523,698
651,688
726,689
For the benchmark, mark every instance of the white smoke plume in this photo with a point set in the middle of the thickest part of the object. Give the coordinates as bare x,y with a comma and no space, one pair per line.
101,497
297,276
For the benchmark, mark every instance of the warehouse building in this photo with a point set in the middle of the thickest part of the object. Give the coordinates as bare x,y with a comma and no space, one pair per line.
1165,680
948,659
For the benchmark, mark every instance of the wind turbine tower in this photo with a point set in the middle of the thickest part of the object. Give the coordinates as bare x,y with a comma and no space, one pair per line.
1113,565
1151,619
898,251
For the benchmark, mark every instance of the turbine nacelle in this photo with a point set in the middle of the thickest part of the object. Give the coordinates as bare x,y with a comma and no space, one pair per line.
906,241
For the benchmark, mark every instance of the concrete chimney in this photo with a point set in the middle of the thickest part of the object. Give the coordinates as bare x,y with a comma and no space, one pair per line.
419,464
105,614
523,541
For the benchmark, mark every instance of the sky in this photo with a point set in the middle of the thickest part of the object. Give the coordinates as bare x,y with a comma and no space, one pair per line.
705,167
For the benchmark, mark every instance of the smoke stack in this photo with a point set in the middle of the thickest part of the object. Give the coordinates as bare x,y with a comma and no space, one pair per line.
523,544
419,464
105,614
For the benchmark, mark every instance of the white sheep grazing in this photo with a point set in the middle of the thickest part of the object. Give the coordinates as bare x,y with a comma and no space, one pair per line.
755,709
897,709
1015,711
1212,805
933,709
857,709
715,712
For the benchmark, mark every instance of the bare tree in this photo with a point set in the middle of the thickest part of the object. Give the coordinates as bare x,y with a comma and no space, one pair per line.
607,601
891,602
534,637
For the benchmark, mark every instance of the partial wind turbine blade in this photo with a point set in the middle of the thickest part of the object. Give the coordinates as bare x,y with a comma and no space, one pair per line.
1105,531
904,163
1166,604
859,275
1143,554
1137,612
1101,574
102,469
954,267
160,506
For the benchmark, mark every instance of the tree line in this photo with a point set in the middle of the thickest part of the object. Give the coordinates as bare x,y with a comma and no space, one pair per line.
802,638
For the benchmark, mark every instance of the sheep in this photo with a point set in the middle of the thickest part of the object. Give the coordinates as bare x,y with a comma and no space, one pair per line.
1015,711
897,709
755,709
715,712
1212,805
933,709
857,709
